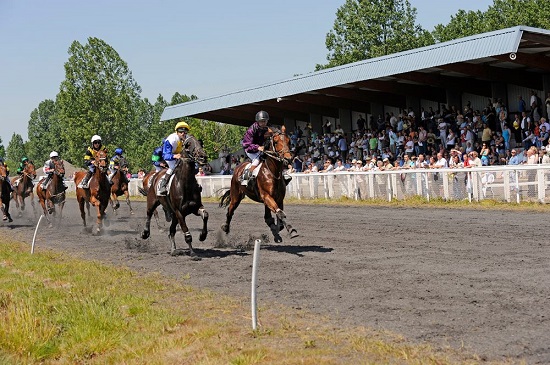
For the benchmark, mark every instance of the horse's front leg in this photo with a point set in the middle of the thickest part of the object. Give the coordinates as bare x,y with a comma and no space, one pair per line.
271,224
99,220
178,217
127,196
151,208
283,223
204,215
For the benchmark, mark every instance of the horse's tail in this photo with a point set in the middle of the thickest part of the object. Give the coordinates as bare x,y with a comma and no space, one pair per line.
142,191
225,199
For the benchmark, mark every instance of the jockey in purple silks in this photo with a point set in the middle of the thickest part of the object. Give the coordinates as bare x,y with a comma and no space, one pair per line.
253,143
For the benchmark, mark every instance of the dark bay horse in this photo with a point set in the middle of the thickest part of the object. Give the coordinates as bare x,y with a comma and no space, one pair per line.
98,192
54,194
120,186
269,187
5,194
24,188
184,195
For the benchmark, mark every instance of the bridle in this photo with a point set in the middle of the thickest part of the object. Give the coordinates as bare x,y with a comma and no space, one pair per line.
196,155
272,152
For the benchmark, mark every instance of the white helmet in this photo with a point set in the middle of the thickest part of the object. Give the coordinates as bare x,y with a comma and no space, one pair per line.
53,154
96,138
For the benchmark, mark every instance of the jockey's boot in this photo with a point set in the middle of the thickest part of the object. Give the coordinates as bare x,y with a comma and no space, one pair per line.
110,178
46,181
287,178
245,176
86,180
163,190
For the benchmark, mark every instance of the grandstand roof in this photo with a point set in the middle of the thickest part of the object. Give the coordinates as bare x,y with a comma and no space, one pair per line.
518,55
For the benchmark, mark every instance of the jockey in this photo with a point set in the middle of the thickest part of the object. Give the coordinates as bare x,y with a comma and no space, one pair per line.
114,164
90,157
171,153
22,164
156,159
253,143
49,167
7,172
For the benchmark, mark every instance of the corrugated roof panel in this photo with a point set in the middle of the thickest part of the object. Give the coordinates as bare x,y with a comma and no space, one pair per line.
459,50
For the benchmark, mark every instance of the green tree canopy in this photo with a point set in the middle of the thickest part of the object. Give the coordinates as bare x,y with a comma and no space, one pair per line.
15,151
502,14
98,96
372,28
44,130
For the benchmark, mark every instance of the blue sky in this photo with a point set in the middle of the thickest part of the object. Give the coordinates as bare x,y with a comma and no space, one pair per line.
203,48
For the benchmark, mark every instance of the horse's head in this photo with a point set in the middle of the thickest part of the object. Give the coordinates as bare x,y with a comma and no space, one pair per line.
30,170
59,167
194,150
3,172
101,160
278,145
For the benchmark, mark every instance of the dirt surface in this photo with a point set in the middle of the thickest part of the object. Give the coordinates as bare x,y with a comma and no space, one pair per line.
477,280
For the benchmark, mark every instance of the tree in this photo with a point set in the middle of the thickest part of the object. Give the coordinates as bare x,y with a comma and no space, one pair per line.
15,151
2,149
372,28
98,96
502,14
44,131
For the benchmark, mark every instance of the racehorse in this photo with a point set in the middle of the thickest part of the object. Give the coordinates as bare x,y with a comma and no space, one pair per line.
98,192
24,188
5,194
268,188
184,195
54,194
120,186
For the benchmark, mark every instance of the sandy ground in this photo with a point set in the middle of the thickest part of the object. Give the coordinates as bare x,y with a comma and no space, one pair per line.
477,280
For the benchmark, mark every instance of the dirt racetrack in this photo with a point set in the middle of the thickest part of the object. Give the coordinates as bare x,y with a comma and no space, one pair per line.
476,279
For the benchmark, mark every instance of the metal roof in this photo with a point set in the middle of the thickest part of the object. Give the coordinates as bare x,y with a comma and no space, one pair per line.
481,57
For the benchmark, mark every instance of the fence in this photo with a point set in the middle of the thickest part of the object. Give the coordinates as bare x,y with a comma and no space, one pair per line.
502,183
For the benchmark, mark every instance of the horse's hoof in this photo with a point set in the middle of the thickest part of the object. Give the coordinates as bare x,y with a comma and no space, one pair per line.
145,234
202,237
277,239
225,228
293,234
4,218
132,212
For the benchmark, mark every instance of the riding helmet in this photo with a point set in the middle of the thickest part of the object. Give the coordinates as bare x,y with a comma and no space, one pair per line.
262,115
119,151
96,138
182,125
53,154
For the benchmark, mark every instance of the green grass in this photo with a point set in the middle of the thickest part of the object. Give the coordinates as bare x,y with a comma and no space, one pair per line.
55,309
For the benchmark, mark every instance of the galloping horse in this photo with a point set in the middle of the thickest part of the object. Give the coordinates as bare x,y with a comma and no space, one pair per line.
25,187
54,193
184,195
98,192
269,187
5,194
120,186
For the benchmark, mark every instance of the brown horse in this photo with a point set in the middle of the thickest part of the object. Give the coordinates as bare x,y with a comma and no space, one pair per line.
120,187
184,195
268,188
5,194
24,188
98,192
54,194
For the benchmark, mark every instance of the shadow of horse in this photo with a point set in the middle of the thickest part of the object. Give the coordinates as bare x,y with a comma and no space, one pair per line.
183,198
297,250
120,187
24,188
5,194
97,193
268,187
54,194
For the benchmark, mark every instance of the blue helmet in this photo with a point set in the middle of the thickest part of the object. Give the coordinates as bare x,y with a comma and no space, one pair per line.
119,151
157,151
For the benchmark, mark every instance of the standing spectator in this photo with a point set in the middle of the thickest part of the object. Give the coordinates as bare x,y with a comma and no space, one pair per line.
361,124
521,104
442,126
343,147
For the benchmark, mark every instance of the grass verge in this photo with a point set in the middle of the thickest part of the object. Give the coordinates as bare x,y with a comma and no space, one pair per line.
56,309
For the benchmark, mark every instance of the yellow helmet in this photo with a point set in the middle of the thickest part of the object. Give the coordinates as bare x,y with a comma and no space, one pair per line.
181,125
